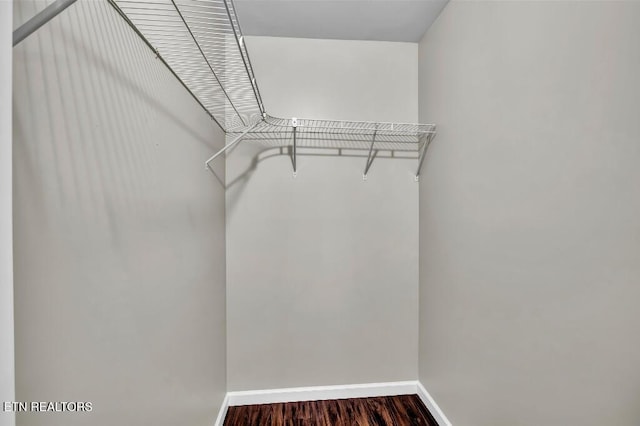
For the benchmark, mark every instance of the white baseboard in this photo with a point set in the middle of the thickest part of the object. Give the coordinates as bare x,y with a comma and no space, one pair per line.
223,411
315,393
433,408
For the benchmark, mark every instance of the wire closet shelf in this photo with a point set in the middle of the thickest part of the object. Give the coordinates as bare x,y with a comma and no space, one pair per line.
201,42
400,140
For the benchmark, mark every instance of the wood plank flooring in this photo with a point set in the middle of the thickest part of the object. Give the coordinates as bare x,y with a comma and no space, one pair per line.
403,410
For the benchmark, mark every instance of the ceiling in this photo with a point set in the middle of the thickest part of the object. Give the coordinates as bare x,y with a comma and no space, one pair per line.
380,20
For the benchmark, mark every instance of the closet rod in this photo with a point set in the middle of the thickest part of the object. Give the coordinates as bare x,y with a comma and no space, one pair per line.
41,18
229,145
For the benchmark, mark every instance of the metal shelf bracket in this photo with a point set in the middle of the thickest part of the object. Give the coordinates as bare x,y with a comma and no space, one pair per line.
294,126
425,145
370,157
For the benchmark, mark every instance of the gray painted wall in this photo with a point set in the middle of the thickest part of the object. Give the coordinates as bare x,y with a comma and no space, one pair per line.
322,268
119,230
338,19
6,238
530,213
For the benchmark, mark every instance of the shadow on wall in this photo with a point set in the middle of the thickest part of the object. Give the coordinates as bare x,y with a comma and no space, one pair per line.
98,85
119,233
237,182
306,151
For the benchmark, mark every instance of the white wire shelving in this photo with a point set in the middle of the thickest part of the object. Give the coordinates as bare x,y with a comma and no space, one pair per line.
370,137
201,43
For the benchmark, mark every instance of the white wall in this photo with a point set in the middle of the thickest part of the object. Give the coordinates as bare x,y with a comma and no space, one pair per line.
6,239
119,230
322,268
530,213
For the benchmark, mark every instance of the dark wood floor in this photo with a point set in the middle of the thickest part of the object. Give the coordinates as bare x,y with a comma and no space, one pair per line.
404,410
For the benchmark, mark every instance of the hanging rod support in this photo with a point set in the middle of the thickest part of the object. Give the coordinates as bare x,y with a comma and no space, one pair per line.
369,157
228,146
41,18
429,137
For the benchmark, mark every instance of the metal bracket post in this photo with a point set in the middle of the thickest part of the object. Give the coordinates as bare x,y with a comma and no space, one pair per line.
41,18
294,125
425,146
369,157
